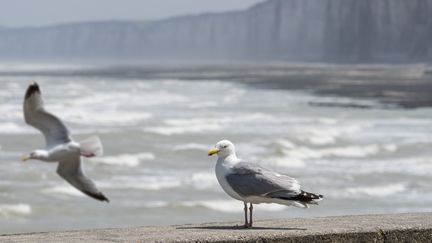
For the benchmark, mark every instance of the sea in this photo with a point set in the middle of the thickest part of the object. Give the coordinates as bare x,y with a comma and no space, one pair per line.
156,124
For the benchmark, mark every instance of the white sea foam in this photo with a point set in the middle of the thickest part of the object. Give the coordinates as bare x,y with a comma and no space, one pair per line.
285,143
158,180
12,128
155,204
230,206
200,124
151,98
151,183
130,160
233,96
350,151
296,156
180,126
203,181
238,118
200,105
419,166
168,131
286,161
113,118
191,146
326,135
27,67
7,210
11,111
327,121
375,191
65,190
354,151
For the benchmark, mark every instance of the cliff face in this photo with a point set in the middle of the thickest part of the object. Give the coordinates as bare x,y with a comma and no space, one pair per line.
295,30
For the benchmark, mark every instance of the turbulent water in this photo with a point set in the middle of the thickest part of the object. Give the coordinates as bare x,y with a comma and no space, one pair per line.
156,133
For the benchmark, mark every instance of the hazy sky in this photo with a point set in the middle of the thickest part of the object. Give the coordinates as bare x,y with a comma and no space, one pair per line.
46,12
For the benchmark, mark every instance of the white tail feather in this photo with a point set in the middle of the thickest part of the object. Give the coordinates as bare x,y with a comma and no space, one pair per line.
92,145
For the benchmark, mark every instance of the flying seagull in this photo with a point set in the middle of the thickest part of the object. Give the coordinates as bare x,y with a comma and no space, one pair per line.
59,145
251,183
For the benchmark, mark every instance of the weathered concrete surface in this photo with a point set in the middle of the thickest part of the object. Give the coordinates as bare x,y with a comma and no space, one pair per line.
416,227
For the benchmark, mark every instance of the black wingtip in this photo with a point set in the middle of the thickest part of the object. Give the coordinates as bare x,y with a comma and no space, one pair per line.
98,196
103,198
33,88
305,197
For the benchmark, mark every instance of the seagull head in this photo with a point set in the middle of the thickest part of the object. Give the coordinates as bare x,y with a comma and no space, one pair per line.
223,149
37,154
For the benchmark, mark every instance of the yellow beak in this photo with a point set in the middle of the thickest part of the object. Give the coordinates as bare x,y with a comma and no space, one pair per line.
213,151
24,158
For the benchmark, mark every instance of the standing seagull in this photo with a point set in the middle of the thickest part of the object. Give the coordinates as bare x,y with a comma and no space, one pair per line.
59,145
254,184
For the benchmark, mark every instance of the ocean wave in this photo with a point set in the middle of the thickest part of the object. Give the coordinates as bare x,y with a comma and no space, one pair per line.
116,99
200,124
202,181
65,190
285,143
353,151
287,161
375,191
181,127
326,135
191,146
95,118
420,166
145,182
7,210
229,206
162,181
155,204
238,118
233,97
200,105
291,155
31,67
11,111
13,128
168,131
130,160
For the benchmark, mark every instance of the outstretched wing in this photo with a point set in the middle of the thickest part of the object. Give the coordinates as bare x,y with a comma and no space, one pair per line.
53,129
249,179
70,170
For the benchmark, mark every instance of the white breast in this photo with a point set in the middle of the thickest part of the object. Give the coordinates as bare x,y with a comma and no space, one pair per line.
222,169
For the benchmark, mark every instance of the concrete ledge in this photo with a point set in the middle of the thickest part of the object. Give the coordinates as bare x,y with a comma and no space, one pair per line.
415,227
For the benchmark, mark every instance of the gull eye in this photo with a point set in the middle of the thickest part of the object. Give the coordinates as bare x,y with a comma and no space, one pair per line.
225,146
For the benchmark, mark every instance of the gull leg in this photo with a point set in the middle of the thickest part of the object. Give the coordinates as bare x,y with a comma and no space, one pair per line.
250,212
246,217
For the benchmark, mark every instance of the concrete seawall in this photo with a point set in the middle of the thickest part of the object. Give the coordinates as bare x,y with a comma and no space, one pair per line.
414,227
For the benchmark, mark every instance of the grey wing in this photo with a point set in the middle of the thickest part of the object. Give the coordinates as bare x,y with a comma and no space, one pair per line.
248,179
53,129
71,170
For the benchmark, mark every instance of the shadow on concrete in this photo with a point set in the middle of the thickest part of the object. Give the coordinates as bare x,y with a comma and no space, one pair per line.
236,227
